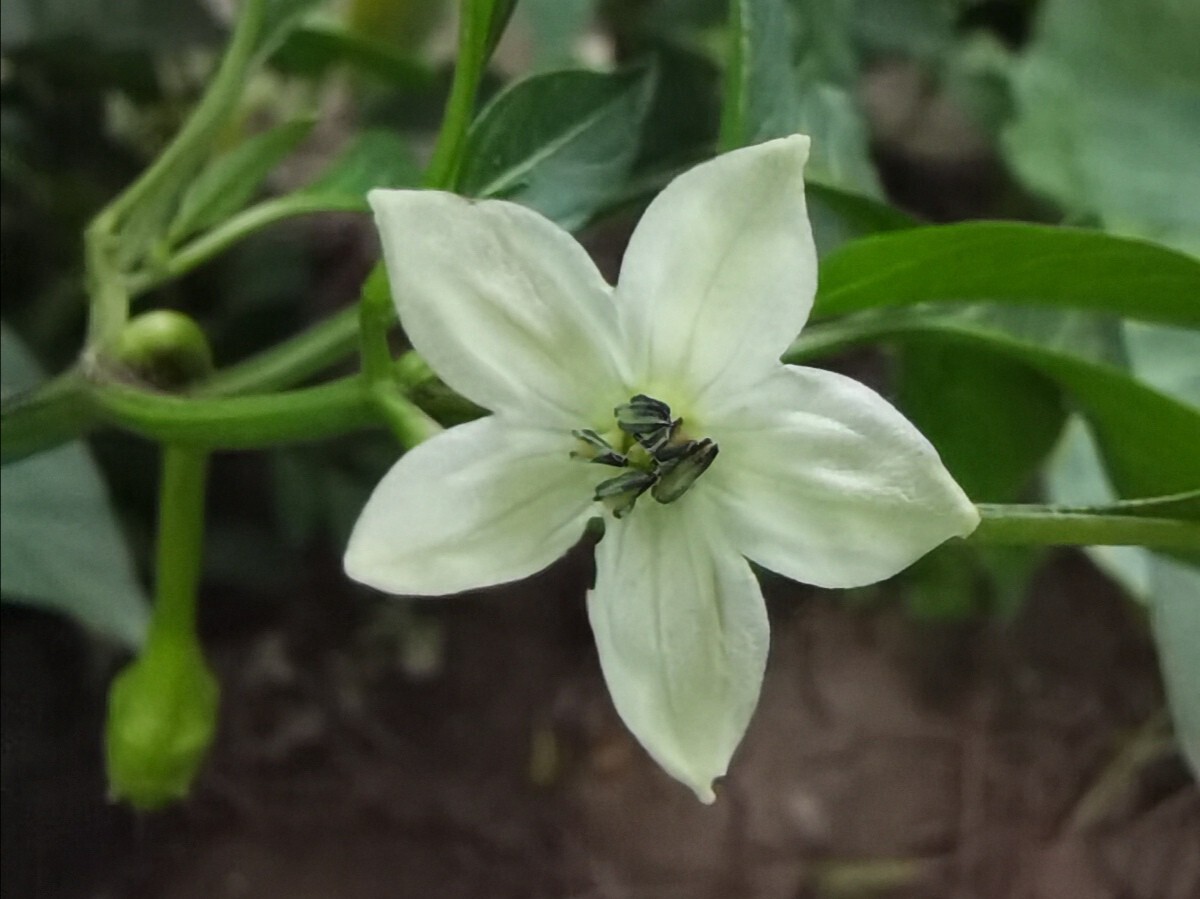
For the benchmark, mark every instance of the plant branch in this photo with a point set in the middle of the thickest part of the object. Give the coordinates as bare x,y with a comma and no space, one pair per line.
1016,525
479,26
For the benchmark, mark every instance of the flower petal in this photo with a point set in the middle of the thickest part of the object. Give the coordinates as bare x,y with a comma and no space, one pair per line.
682,632
505,306
483,503
822,481
721,271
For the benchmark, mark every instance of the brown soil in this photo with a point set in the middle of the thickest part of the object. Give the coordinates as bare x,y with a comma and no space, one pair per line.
887,758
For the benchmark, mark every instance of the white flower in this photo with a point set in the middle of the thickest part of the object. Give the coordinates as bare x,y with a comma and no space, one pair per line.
817,477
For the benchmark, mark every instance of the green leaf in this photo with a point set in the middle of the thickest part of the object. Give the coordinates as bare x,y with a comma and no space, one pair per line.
991,419
62,547
1165,358
280,17
316,47
1175,622
912,29
840,152
119,25
230,180
1107,100
761,95
771,91
840,216
556,29
1148,438
376,158
1008,262
562,143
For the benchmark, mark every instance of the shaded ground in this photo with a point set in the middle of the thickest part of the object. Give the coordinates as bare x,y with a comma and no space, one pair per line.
887,758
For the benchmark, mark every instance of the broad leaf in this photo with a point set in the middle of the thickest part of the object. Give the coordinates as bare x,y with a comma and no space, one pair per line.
230,180
376,158
562,143
1009,262
62,547
993,420
1148,438
792,70
1107,100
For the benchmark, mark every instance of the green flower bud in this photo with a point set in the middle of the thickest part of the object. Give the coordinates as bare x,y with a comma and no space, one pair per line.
162,716
165,348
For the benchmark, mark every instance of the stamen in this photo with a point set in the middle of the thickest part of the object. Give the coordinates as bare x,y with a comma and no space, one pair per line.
597,449
620,494
676,477
646,419
661,458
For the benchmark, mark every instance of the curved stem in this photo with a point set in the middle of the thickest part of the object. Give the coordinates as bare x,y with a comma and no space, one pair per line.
129,222
287,364
212,243
222,92
243,422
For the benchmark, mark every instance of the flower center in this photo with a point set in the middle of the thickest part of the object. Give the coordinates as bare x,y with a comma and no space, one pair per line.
654,450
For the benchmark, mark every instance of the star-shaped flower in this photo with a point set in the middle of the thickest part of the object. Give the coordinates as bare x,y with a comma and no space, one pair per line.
661,404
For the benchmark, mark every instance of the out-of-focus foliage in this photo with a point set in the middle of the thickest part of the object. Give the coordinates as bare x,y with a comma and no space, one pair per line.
1107,101
106,24
61,546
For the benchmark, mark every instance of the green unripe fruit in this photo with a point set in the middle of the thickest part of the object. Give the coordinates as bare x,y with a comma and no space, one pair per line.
162,717
165,348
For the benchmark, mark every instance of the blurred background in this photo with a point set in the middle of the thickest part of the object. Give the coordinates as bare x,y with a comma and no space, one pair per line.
986,725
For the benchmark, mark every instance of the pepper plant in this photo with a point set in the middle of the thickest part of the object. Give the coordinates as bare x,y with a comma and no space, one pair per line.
685,409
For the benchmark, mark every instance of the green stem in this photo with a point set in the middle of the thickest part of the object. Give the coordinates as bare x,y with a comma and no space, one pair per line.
222,93
1018,525
229,232
732,132
180,542
243,422
405,418
475,34
287,364
108,298
73,405
128,224
376,317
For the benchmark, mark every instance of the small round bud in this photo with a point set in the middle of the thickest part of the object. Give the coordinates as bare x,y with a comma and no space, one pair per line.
165,348
162,717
